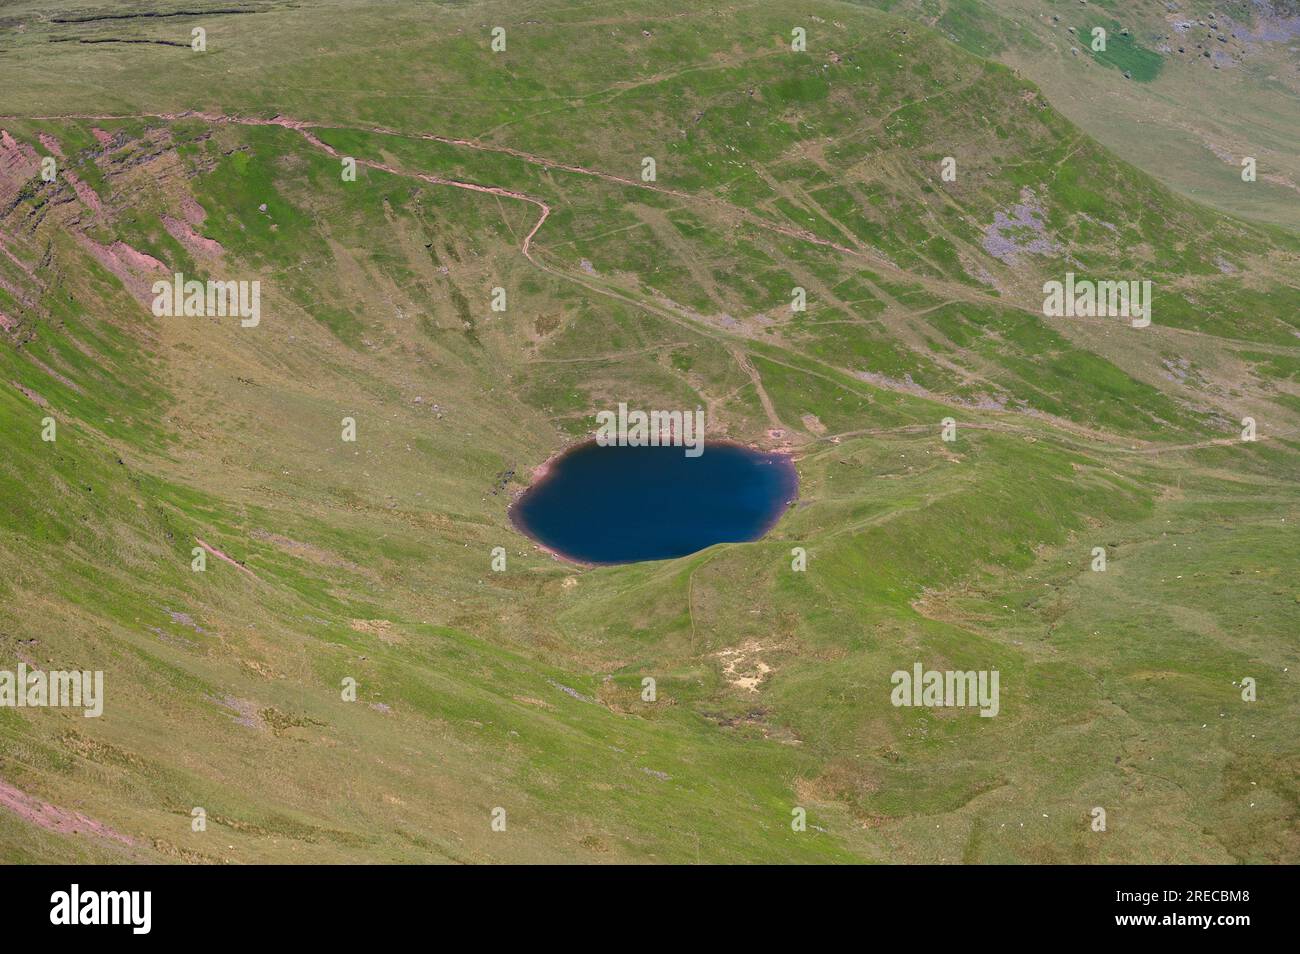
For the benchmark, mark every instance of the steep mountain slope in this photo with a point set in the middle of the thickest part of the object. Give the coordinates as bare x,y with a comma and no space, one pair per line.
329,560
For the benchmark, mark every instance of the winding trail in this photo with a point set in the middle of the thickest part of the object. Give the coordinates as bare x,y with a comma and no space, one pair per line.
305,126
951,291
747,366
305,129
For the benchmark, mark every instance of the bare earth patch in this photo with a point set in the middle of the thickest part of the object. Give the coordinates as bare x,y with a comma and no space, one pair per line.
813,423
1020,231
184,233
743,668
379,628
52,818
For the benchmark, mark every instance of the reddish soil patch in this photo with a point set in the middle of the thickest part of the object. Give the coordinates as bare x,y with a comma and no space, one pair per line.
128,264
191,211
50,143
18,163
52,818
229,559
11,256
31,395
184,233
88,196
136,259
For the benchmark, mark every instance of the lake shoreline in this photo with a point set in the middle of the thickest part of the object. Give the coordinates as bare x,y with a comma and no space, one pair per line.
544,471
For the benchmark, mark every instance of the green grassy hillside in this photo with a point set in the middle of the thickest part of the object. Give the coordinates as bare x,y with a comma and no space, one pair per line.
1184,88
329,561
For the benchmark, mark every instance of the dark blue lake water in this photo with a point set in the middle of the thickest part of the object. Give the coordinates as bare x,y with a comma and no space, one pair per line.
626,504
